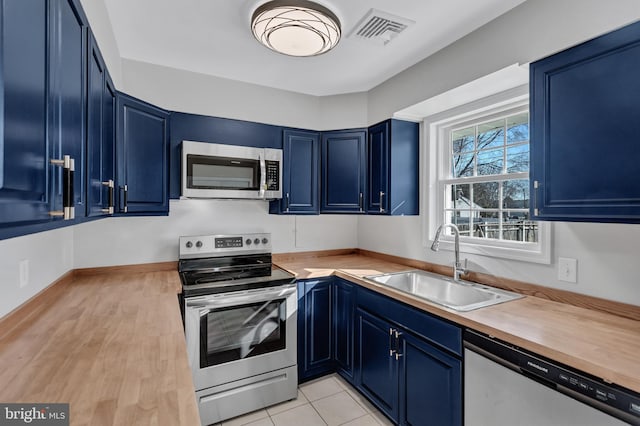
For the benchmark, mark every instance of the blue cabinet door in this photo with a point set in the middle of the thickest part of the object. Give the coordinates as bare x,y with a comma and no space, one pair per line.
430,384
585,131
24,150
67,78
100,133
343,322
315,334
343,171
301,161
393,173
378,168
377,369
142,157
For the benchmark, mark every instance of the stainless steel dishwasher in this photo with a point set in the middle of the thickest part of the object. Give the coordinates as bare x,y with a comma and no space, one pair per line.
505,385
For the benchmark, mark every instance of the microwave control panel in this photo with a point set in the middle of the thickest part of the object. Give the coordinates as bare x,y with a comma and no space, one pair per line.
273,175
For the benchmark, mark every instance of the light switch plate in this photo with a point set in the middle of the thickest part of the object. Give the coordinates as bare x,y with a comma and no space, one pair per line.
567,269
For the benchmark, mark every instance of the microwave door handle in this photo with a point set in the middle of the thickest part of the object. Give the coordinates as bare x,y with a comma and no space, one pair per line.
263,176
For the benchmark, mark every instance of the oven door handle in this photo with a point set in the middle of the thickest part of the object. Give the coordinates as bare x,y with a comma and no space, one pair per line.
238,298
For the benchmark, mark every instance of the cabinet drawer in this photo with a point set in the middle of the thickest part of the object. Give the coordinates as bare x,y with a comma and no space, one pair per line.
435,330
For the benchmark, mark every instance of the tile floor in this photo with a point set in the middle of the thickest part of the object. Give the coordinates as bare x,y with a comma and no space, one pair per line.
327,401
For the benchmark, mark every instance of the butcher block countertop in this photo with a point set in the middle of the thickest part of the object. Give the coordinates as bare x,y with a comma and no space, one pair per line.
111,345
110,341
599,343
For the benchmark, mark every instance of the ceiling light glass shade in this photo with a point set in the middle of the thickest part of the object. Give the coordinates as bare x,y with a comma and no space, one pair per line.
296,28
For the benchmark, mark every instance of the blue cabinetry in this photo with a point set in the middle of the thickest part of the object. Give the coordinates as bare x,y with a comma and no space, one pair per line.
100,134
344,295
408,363
325,327
344,164
67,108
392,169
25,192
142,151
43,94
301,162
315,328
585,131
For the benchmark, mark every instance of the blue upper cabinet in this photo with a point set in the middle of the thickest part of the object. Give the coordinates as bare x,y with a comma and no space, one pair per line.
585,104
100,134
301,162
393,177
202,128
142,157
67,78
24,154
344,164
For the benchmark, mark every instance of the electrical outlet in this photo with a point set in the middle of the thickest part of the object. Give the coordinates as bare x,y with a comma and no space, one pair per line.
24,272
567,269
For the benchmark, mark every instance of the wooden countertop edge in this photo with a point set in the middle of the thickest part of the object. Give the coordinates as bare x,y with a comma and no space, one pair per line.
459,319
22,314
576,299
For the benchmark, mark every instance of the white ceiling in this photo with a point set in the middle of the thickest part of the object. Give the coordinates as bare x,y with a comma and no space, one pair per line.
213,37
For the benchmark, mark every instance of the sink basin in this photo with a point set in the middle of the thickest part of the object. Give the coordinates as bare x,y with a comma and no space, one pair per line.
458,295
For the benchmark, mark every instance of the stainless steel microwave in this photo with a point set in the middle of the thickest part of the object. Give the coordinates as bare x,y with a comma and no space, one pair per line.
211,170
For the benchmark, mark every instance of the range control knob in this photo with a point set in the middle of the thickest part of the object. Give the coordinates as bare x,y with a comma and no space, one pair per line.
256,241
265,241
189,244
199,244
248,242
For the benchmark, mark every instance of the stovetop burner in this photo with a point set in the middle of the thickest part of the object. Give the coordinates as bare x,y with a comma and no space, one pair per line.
228,263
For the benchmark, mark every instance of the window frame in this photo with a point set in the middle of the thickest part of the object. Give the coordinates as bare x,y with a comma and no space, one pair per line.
438,160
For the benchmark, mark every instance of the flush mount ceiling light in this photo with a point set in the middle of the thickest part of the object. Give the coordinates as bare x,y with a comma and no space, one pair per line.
296,27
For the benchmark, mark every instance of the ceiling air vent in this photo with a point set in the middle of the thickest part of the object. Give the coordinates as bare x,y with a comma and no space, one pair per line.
380,27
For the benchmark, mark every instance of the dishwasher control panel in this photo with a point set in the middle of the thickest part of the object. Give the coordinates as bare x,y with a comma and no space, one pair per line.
614,400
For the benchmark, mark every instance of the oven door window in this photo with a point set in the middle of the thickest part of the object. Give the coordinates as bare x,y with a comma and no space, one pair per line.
239,332
204,172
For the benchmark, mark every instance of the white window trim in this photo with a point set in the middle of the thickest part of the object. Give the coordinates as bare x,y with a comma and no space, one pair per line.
433,203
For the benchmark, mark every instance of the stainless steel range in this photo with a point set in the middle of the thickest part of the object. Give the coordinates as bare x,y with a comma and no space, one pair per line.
240,324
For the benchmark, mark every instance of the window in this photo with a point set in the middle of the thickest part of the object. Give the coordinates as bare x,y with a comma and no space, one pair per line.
487,189
481,180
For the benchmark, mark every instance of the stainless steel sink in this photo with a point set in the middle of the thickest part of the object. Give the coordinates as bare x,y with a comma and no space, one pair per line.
458,295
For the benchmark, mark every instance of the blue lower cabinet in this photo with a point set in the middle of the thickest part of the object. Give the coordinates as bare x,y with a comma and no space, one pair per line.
408,363
430,384
343,322
377,369
315,328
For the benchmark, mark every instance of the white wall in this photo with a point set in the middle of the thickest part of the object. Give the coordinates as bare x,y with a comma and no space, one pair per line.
530,31
122,241
49,256
100,23
606,253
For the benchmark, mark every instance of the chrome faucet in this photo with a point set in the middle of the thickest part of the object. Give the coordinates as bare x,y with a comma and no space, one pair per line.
458,269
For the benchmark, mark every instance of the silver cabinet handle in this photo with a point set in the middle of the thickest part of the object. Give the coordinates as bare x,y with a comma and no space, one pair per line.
381,207
361,202
109,184
68,169
287,197
392,350
125,191
536,185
